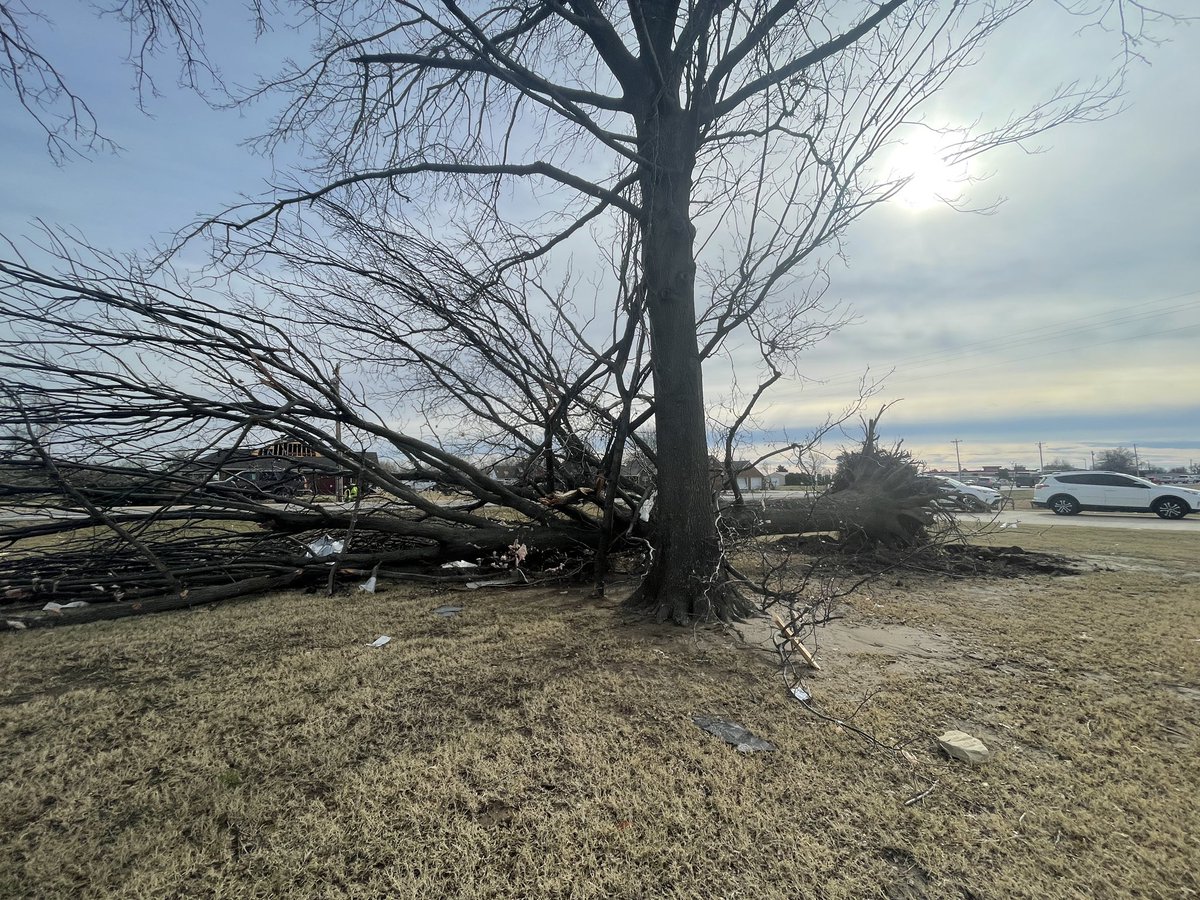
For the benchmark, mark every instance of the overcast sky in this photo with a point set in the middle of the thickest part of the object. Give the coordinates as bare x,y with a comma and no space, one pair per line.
1070,316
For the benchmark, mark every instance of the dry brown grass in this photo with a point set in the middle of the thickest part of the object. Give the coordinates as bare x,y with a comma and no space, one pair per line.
541,745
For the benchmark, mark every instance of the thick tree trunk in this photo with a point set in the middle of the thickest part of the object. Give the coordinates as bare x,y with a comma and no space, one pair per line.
684,581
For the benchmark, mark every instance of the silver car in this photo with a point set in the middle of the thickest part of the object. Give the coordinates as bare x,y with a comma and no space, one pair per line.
967,496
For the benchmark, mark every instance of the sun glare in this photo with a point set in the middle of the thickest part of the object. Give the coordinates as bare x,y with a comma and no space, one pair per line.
932,179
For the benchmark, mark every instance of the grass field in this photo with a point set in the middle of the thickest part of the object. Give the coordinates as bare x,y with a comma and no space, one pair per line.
540,744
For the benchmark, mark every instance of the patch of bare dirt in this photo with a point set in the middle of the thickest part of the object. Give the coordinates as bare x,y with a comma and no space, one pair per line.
902,647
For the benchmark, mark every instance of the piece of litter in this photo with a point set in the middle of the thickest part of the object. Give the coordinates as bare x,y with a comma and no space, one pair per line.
324,546
368,585
381,640
459,564
733,733
495,582
52,607
15,624
76,604
801,694
960,745
448,611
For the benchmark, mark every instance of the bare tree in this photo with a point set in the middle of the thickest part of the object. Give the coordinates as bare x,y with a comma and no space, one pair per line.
712,150
746,131
1117,459
60,109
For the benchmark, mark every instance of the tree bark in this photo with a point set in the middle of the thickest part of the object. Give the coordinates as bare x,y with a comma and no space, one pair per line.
683,582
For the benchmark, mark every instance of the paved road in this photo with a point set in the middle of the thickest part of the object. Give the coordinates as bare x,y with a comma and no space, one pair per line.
1043,518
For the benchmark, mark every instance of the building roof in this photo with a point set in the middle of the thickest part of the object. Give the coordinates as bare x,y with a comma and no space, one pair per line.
252,461
743,468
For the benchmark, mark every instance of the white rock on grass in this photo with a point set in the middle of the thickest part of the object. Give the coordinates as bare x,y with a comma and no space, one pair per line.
961,745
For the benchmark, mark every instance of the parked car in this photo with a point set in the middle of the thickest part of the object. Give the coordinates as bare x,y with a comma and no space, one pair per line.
1067,493
967,496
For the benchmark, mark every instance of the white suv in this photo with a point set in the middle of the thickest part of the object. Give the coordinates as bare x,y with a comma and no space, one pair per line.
1066,493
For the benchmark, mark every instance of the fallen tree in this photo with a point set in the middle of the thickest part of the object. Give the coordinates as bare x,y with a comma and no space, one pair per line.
708,159
877,498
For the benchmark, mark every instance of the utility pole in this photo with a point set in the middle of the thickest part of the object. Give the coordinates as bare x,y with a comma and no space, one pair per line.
1041,462
957,458
1137,465
1093,452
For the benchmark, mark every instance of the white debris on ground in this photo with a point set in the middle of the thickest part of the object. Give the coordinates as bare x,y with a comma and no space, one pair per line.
960,745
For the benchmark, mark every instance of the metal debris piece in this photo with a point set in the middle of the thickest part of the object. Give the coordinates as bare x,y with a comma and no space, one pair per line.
325,546
801,694
459,564
381,640
448,611
733,733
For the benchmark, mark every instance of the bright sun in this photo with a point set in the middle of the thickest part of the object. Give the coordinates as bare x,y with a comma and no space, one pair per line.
933,180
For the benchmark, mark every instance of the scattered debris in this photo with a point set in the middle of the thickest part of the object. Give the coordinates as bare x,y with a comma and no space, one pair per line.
459,564
733,733
381,640
960,745
497,582
16,624
447,611
917,798
56,607
368,585
801,694
325,546
790,637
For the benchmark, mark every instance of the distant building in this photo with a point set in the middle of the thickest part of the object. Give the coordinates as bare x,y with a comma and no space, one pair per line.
747,475
286,466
